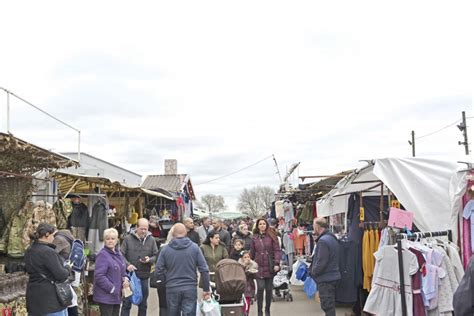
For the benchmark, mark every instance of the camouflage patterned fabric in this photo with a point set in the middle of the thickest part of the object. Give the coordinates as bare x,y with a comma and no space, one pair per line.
62,209
43,212
16,247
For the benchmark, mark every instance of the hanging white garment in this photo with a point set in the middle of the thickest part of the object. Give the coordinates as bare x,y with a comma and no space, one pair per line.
453,255
279,212
384,298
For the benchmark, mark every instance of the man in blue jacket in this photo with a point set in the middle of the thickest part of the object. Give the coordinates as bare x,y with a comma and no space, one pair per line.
178,262
325,265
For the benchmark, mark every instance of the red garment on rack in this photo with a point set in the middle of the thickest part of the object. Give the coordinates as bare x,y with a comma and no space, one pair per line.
315,210
466,230
418,305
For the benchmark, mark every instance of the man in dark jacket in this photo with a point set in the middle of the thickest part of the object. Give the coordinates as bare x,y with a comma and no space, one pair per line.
140,250
177,265
325,265
192,234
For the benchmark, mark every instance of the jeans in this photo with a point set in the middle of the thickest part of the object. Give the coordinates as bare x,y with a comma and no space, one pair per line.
267,286
182,302
60,313
127,303
327,295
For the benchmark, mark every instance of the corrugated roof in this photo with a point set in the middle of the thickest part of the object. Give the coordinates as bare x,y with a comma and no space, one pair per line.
82,184
171,183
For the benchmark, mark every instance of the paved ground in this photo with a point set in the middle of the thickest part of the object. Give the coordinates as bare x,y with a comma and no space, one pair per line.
300,306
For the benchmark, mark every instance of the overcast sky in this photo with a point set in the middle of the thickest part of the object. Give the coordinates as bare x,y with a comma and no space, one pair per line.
219,85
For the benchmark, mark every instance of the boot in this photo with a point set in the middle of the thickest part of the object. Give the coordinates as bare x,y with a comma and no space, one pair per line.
267,311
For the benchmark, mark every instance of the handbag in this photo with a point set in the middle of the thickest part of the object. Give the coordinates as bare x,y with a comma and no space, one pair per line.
63,291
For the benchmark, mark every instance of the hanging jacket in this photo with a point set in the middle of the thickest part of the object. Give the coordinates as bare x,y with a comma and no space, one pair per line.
79,215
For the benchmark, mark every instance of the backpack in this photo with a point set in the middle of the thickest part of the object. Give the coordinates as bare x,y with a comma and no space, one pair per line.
77,255
230,280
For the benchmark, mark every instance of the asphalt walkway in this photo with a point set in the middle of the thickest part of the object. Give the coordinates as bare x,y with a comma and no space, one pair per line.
300,306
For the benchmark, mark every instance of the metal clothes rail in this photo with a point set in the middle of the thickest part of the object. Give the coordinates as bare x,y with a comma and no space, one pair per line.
402,236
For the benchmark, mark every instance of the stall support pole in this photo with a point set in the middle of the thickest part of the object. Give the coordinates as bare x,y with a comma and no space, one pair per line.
402,275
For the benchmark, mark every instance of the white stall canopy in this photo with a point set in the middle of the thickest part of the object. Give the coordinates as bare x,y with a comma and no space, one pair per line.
431,189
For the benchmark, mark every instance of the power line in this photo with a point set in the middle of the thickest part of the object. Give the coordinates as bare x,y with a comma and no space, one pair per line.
232,173
439,130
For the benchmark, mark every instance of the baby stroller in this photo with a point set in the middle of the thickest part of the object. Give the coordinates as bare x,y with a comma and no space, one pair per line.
281,285
229,287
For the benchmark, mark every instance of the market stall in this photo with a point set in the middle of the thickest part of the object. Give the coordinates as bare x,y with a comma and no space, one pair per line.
19,161
385,199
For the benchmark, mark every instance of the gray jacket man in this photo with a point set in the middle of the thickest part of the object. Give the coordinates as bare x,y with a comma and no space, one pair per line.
139,250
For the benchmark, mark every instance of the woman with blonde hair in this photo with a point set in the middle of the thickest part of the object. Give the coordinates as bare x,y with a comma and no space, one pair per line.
110,275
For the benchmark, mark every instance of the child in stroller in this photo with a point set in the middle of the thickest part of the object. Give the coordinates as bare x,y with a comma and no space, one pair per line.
281,285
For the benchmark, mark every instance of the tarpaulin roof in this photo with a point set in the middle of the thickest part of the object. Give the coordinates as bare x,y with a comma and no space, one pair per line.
84,183
19,156
431,189
229,215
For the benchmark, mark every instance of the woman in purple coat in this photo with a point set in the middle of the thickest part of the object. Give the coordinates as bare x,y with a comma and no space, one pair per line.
265,250
110,275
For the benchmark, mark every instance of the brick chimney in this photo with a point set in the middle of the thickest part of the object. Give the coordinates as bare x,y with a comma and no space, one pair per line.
171,166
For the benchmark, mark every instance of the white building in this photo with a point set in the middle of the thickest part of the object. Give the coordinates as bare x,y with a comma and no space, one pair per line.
93,166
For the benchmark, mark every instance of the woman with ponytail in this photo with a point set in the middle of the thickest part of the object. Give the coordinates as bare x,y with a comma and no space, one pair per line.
44,266
265,250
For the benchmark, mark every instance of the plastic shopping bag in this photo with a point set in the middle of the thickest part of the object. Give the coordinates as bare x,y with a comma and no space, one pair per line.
136,285
310,287
302,272
210,308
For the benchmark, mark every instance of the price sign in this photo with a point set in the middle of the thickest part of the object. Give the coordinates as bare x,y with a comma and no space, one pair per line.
395,203
361,214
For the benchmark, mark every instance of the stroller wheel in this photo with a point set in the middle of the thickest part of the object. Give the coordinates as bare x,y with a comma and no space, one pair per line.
290,297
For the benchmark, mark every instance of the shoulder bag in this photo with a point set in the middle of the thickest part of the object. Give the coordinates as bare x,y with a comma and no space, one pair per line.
63,289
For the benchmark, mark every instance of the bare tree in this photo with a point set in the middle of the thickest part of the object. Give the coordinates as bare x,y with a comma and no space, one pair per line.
256,201
213,203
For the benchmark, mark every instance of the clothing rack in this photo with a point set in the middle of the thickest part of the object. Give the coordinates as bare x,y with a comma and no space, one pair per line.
414,236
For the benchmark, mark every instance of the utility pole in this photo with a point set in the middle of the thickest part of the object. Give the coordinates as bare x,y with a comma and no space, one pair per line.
463,128
412,143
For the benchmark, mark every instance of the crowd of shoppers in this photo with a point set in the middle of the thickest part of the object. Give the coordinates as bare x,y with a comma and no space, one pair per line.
174,265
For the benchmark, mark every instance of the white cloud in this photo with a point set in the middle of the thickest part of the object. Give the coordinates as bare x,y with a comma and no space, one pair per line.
220,85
